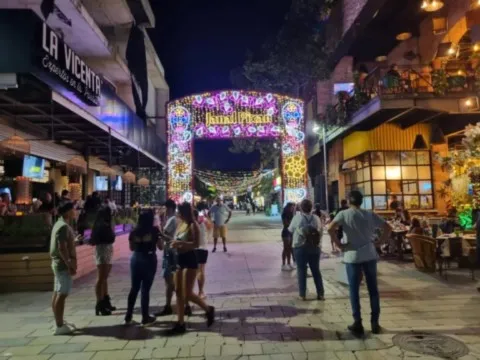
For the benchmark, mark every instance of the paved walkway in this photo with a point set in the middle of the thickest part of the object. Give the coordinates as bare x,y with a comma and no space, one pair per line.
259,317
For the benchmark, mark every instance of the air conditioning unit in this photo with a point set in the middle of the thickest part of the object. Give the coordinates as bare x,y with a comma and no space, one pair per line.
8,81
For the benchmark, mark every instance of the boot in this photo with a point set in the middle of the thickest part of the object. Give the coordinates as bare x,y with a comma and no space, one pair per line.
356,329
108,303
101,309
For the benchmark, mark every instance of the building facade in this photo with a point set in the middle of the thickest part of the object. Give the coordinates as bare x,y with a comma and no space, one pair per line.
403,87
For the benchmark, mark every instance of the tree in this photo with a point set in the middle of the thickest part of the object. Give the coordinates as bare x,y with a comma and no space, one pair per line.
296,58
268,152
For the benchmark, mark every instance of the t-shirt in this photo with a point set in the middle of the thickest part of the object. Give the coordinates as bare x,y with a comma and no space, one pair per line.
170,226
61,233
359,227
299,221
220,214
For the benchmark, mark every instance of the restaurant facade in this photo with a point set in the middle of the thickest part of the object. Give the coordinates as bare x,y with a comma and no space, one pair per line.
403,89
74,116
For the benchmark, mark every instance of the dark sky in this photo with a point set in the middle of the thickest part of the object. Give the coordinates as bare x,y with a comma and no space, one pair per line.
199,42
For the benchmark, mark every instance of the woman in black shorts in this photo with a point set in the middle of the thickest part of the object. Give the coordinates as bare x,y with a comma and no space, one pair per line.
187,240
287,216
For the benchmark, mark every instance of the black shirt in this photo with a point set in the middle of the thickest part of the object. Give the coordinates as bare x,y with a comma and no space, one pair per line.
144,243
287,219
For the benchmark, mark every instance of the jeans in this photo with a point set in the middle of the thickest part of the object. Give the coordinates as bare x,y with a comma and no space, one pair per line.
143,267
308,256
354,272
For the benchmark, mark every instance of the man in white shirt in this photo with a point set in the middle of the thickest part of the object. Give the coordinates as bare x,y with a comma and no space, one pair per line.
221,215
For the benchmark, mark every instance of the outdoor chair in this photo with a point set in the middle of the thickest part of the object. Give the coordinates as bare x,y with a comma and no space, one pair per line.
424,252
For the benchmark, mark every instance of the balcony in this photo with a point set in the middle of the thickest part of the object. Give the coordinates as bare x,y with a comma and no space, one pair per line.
405,96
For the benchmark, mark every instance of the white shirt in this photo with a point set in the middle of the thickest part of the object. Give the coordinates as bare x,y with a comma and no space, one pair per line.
300,220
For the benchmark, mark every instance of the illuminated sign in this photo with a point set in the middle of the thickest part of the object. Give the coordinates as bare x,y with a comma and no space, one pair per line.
236,114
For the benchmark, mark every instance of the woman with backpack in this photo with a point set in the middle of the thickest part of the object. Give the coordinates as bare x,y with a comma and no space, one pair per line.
103,237
307,235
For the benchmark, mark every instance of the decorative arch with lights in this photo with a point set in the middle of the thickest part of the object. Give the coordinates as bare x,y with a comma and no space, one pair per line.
236,114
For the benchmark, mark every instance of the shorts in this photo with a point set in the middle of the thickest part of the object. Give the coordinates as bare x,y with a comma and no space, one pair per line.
104,254
169,263
62,282
188,260
286,234
202,256
220,231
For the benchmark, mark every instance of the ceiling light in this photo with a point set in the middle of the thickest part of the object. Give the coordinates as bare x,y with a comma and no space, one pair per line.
404,36
432,5
476,47
381,58
451,51
468,102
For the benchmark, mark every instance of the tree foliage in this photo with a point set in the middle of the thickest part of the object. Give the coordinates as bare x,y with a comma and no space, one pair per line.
296,58
268,151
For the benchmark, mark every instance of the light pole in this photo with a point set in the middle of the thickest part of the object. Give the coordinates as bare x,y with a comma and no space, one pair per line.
316,130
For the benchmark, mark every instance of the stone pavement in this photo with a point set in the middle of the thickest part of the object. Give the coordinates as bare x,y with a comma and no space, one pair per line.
259,315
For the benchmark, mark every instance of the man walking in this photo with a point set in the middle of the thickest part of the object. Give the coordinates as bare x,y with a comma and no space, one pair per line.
360,255
169,265
64,264
221,215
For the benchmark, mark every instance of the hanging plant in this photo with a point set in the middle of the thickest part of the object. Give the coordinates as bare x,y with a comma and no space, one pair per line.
440,82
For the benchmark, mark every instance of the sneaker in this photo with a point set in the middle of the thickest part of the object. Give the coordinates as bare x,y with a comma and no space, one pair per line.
356,329
321,298
167,310
63,330
150,320
188,310
292,266
285,268
178,329
210,316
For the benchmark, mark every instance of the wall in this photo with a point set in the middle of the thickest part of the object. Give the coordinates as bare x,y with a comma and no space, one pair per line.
439,178
384,137
351,10
162,97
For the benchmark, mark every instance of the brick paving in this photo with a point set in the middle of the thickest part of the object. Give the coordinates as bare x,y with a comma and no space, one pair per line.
259,315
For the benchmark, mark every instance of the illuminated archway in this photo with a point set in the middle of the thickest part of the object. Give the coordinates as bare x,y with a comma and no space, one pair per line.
236,114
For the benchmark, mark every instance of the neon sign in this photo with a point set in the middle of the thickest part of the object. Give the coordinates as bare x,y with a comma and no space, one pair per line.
236,114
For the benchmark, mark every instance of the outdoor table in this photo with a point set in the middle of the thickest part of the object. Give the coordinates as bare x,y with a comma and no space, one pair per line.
399,233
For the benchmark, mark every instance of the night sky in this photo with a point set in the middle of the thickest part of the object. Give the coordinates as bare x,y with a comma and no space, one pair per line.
199,42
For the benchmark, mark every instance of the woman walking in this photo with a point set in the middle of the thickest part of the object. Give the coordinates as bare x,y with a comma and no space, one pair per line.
307,233
144,240
103,237
187,240
287,216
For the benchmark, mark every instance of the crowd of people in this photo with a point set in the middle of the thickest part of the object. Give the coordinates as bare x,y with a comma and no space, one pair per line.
181,232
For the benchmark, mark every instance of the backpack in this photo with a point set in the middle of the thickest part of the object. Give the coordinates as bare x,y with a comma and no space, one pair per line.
310,233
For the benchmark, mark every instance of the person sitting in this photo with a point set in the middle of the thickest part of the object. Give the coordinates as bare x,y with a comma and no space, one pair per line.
416,227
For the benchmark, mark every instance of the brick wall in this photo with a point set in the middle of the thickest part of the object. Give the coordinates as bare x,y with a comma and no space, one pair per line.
343,72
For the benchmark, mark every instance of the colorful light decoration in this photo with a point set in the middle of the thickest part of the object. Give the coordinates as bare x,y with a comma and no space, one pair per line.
240,182
235,114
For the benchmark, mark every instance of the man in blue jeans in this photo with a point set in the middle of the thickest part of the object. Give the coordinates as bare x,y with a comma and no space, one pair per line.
360,255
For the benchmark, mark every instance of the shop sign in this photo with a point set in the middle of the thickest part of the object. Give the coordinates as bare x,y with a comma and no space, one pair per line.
62,63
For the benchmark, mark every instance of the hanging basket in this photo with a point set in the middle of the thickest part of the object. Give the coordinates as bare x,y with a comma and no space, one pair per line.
143,182
77,165
129,177
15,145
23,191
75,191
108,171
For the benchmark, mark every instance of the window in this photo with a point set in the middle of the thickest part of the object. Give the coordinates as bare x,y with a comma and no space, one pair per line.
379,175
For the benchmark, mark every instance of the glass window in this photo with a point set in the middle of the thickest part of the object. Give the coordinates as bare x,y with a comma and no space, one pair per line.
423,157
378,172
365,159
378,158
425,187
392,158
424,172
380,202
359,175
409,158
394,187
393,173
367,202
409,172
409,187
426,202
411,202
368,188
379,187
366,173
361,187
347,178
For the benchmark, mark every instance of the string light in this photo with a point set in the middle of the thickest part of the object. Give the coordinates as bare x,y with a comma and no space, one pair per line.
234,114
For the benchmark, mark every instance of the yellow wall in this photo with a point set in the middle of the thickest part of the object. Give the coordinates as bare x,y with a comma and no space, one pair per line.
384,137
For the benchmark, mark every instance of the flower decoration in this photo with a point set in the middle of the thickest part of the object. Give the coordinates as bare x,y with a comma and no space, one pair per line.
295,166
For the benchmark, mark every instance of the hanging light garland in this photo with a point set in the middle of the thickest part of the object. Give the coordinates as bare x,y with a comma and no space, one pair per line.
77,165
108,171
239,182
129,177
